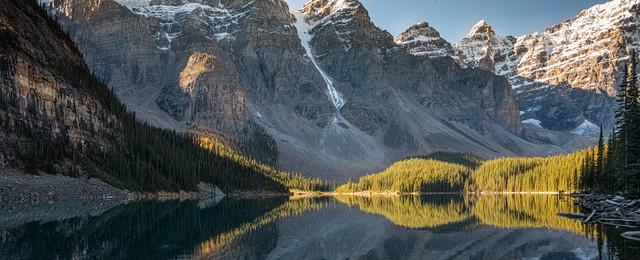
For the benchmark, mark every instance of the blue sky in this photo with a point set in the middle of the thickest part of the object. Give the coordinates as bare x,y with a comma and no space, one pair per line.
454,18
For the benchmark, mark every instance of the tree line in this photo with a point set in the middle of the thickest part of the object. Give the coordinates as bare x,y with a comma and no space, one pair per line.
559,173
614,165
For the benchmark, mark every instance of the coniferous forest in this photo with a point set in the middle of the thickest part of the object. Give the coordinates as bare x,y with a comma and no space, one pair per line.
560,173
614,165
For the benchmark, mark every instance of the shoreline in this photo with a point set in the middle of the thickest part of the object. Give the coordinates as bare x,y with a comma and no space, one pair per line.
17,188
397,194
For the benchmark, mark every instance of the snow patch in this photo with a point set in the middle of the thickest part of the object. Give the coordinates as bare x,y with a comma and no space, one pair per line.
335,13
532,121
587,128
304,33
219,20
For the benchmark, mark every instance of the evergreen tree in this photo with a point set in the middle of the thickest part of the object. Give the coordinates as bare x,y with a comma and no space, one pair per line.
632,140
600,159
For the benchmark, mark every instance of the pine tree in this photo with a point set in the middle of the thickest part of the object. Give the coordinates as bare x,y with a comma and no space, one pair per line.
600,159
632,140
619,148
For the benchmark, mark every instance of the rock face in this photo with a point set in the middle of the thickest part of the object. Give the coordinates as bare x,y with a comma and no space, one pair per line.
423,40
566,75
484,49
35,96
335,95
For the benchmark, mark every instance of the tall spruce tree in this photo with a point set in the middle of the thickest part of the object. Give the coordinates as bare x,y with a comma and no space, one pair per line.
600,159
632,140
620,139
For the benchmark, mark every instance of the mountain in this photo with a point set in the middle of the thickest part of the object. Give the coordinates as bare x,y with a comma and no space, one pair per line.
58,118
423,40
321,90
564,77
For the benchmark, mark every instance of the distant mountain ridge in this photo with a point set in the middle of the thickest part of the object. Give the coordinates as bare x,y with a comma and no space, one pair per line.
561,76
323,87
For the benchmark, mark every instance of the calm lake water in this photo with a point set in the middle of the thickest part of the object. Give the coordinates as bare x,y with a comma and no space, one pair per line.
428,227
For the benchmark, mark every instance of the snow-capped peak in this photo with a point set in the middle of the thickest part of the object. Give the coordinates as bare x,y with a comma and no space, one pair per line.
324,9
423,40
484,49
338,14
481,27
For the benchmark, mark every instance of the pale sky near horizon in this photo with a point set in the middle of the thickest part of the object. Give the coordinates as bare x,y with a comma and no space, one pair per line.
454,18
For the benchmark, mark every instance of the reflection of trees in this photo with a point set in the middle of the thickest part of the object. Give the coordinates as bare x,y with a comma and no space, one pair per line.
449,211
524,211
226,241
159,230
249,228
413,211
142,230
611,244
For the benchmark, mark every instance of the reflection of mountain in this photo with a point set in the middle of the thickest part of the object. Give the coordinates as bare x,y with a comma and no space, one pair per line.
343,232
445,226
159,230
504,211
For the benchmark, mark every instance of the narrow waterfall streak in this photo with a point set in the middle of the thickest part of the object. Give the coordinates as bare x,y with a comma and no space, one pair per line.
305,36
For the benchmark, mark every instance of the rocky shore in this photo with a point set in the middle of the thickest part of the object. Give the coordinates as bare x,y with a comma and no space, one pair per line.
25,198
19,188
610,210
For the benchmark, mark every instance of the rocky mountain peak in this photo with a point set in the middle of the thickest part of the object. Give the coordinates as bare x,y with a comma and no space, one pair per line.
326,9
423,40
483,28
421,28
341,23
484,49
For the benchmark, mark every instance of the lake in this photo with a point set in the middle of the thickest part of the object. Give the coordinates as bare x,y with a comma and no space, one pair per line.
343,227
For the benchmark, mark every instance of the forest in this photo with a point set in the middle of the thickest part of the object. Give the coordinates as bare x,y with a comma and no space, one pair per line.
614,165
422,175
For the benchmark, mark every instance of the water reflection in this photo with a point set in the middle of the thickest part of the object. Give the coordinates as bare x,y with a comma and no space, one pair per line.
432,227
